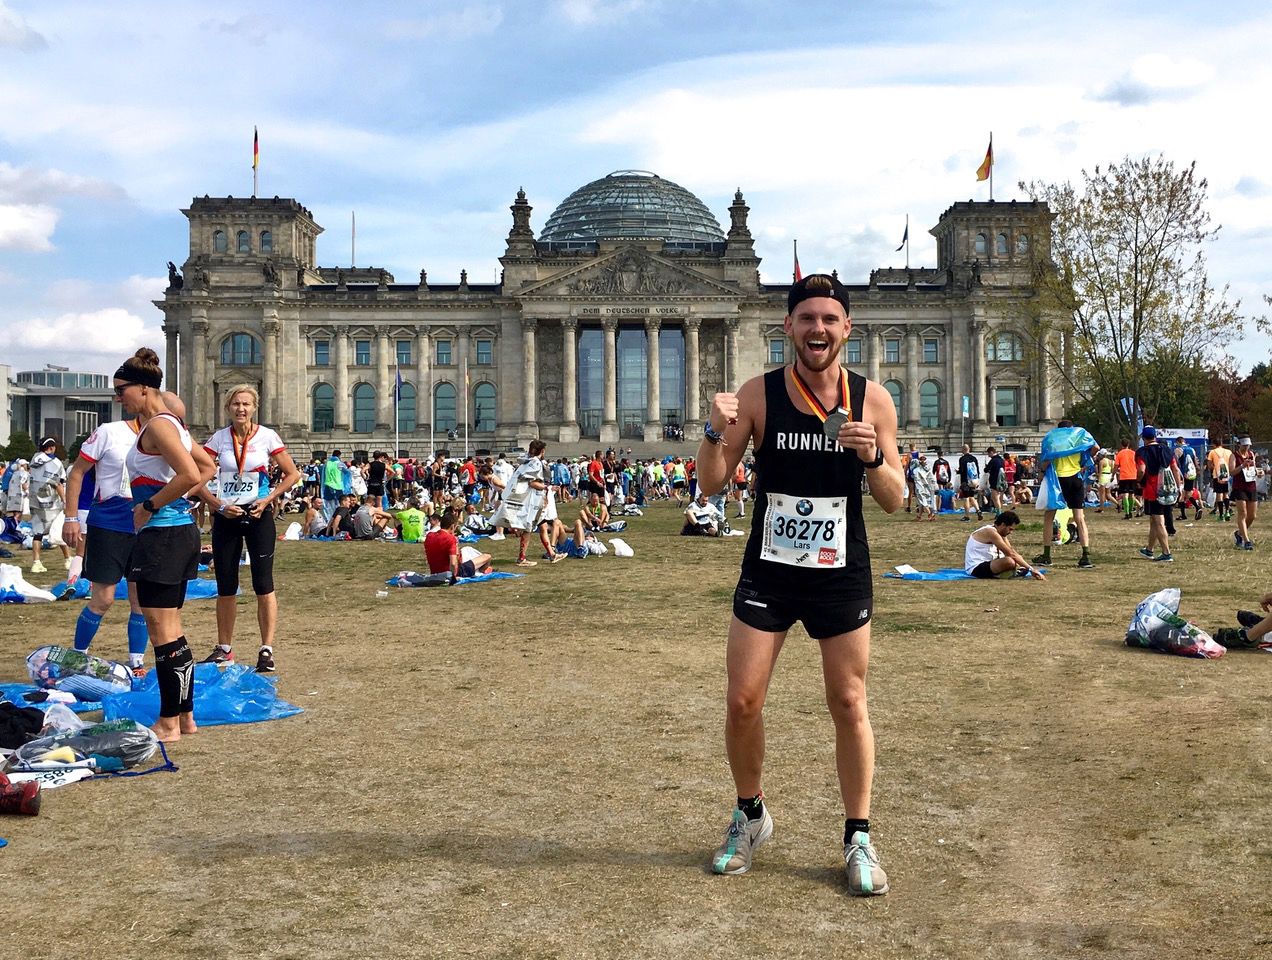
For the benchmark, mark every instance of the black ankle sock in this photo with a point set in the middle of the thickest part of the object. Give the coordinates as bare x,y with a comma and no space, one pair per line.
753,807
852,826
174,670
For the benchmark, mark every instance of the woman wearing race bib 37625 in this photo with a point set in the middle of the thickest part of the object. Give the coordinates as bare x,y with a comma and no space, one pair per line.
244,514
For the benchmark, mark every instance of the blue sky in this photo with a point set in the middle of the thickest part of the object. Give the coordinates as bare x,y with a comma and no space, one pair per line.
426,118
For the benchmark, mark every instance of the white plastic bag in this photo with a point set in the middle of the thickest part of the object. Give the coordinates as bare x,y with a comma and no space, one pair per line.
621,548
59,718
293,531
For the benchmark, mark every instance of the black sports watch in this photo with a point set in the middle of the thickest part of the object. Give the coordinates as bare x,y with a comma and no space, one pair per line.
877,461
148,505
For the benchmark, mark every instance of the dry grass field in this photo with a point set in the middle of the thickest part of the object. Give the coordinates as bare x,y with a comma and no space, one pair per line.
534,769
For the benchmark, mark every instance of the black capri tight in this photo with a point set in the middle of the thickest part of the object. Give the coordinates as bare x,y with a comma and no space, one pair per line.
228,536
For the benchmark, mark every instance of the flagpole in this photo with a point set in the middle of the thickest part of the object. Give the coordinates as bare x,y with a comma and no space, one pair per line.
428,359
907,242
256,157
466,406
353,236
991,166
397,419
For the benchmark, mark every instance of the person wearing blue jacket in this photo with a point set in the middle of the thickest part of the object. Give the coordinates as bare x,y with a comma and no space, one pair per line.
1068,457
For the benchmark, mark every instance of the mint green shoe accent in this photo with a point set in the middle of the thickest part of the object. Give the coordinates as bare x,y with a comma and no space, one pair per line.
741,840
861,861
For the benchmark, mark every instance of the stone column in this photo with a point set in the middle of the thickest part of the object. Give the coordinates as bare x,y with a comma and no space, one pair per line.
569,381
653,381
874,343
199,396
693,376
269,386
1044,386
529,412
342,418
170,357
609,375
731,352
953,396
978,371
423,380
383,382
912,347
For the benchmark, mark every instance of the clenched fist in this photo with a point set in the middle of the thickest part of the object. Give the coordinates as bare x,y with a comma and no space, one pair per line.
724,411
859,437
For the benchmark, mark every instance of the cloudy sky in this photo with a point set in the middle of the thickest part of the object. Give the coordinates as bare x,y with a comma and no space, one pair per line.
427,117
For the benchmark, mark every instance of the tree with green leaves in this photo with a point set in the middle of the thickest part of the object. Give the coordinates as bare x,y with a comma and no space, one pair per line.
1127,277
20,445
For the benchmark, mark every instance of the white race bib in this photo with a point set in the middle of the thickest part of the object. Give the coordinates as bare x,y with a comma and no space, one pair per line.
238,488
1249,474
805,531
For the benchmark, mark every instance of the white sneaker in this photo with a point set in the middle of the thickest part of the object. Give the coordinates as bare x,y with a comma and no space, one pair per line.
861,861
741,840
37,567
497,536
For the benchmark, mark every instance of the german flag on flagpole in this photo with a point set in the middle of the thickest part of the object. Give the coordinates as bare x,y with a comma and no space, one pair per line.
986,170
256,157
798,276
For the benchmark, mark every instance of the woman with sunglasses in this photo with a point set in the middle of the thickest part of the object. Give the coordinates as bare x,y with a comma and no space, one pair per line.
161,472
243,513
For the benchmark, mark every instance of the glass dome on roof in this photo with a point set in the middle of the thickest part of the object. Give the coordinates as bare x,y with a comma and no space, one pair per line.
632,203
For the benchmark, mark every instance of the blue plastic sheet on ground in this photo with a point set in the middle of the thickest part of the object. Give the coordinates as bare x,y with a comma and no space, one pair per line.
946,573
480,578
235,694
200,589
13,693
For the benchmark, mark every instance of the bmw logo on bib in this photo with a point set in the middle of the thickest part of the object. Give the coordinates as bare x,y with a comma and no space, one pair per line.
804,508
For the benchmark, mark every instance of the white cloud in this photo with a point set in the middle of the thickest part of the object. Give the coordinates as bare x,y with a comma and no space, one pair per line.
27,227
111,330
29,185
1157,77
450,25
585,13
14,31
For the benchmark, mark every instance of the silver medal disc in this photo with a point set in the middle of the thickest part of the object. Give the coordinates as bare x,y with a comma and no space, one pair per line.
834,420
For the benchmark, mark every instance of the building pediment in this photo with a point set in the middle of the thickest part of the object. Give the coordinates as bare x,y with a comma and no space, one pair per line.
629,272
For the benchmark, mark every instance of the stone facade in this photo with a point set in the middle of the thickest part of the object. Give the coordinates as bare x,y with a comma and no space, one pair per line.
325,346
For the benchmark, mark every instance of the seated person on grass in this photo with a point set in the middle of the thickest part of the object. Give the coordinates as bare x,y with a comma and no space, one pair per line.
702,519
444,555
1254,629
342,519
594,513
574,545
315,524
412,524
369,520
988,554
474,522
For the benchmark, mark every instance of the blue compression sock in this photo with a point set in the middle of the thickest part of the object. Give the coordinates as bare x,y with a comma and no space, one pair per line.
86,628
138,635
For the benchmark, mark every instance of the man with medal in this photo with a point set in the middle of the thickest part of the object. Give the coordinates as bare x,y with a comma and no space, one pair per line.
816,429
243,515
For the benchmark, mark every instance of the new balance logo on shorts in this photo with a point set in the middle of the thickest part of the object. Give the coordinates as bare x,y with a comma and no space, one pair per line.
863,614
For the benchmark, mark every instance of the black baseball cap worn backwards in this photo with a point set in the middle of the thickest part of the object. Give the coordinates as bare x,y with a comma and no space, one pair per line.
817,285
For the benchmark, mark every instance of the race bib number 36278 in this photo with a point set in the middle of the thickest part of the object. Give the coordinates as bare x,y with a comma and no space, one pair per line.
804,531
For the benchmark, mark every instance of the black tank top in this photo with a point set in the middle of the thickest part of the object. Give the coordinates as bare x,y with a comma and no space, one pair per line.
795,459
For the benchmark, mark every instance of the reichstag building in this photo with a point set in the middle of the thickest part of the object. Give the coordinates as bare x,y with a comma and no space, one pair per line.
614,325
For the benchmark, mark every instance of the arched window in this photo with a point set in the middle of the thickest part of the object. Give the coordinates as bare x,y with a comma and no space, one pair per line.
1022,243
324,408
1003,348
267,242
244,242
363,408
444,407
240,350
930,404
219,242
1000,246
982,244
484,408
406,408
894,391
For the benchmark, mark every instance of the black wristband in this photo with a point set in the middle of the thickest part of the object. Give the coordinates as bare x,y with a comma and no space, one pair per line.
877,461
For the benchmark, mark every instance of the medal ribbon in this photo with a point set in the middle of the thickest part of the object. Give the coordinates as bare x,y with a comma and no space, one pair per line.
240,450
811,398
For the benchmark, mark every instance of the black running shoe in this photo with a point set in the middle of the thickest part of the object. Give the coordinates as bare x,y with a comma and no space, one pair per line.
265,660
1248,618
219,656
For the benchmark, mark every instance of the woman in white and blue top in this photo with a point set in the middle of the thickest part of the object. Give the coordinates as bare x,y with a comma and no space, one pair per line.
161,471
244,515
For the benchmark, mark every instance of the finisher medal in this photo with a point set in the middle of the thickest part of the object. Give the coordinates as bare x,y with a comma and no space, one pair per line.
834,420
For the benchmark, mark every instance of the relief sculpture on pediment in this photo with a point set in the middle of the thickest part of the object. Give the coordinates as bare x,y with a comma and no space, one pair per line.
629,273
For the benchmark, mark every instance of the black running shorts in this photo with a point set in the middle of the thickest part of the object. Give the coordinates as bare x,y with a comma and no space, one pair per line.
1074,490
107,555
166,554
773,612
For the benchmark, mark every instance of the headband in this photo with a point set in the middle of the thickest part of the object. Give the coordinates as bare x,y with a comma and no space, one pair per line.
141,375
